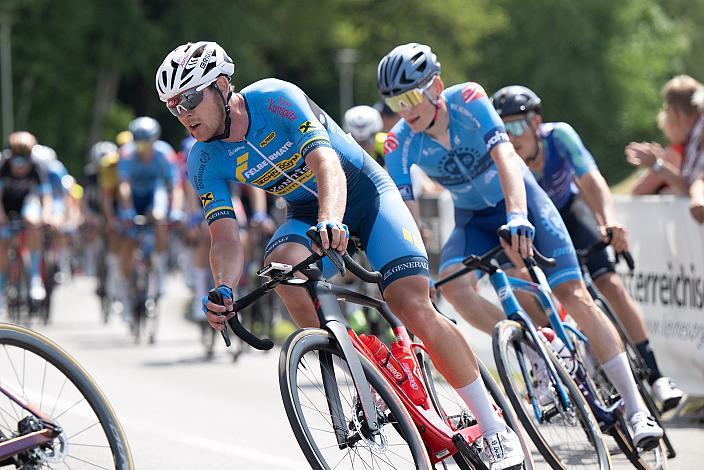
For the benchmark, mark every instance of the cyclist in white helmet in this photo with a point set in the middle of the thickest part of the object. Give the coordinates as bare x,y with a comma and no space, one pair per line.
271,135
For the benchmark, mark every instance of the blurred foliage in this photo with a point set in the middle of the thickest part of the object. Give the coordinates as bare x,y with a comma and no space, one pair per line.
597,64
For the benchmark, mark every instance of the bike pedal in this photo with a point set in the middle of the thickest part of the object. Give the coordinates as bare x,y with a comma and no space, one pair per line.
648,444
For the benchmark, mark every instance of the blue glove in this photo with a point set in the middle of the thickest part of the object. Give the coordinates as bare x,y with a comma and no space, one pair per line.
518,224
127,214
325,224
224,290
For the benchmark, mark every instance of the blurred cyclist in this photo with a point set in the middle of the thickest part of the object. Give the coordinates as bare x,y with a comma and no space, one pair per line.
26,196
149,186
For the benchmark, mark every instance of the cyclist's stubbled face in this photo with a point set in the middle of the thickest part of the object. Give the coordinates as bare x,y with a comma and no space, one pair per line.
526,143
206,120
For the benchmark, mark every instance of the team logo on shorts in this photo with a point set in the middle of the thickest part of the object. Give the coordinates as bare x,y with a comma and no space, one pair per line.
553,222
206,198
391,143
473,91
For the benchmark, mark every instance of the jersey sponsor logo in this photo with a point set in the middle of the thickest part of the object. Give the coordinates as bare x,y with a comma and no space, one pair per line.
495,137
473,91
306,126
272,174
314,144
406,191
206,198
267,139
391,143
299,176
415,265
241,166
282,150
281,110
220,213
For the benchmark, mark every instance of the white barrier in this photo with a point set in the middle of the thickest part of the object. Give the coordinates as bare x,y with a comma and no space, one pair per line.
668,282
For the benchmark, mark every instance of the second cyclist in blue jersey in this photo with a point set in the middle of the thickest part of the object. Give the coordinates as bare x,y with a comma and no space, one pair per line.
271,135
457,138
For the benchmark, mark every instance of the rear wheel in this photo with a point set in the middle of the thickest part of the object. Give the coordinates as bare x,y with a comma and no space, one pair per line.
311,360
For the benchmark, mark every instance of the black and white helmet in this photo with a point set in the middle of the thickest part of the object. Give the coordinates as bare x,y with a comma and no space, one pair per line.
192,65
362,122
406,67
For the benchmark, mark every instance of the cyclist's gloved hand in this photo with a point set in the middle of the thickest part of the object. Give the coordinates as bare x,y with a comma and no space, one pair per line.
522,233
217,314
333,235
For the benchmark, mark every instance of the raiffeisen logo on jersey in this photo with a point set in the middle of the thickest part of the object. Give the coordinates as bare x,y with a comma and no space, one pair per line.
494,137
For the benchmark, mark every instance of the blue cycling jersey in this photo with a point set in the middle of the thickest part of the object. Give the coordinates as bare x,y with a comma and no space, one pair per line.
466,169
565,157
56,171
284,127
145,176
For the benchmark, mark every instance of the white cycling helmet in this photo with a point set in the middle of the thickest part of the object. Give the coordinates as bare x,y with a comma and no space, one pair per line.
192,65
362,122
43,154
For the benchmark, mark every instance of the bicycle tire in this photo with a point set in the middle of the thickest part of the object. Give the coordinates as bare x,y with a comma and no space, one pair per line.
310,340
653,459
506,333
51,353
432,385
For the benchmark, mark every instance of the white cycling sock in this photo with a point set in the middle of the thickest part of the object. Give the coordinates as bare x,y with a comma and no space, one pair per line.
619,373
480,404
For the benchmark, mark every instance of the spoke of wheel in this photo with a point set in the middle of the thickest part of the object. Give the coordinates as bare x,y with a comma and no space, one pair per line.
14,370
41,396
82,431
61,391
74,444
89,463
82,399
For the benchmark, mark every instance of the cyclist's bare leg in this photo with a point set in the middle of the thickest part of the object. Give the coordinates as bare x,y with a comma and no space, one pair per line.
602,335
408,299
611,285
4,260
297,300
464,298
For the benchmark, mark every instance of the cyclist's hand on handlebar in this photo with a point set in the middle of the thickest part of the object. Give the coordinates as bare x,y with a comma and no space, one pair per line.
333,235
619,236
216,314
522,234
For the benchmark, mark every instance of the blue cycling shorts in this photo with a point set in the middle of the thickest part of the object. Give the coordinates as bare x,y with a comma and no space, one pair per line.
475,233
375,214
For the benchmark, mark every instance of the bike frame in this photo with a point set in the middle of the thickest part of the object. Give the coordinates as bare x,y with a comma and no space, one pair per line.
439,442
541,291
23,443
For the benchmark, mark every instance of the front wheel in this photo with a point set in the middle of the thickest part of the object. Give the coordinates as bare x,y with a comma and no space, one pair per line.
564,431
50,380
311,363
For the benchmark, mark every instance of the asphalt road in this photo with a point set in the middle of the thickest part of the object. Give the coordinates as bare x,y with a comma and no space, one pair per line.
181,411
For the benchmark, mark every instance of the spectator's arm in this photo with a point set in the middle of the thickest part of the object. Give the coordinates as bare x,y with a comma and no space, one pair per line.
696,200
645,154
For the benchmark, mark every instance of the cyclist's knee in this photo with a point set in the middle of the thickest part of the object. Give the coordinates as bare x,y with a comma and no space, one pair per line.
462,289
299,306
408,299
610,284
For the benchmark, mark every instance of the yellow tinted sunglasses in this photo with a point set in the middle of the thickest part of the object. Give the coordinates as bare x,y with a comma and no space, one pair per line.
408,99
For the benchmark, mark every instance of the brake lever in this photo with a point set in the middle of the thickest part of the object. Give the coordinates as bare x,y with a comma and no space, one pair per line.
332,254
216,297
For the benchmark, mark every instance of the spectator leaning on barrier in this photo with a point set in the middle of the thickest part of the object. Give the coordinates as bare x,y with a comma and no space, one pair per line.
683,98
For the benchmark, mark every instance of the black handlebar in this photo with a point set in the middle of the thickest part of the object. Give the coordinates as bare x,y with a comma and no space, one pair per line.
341,262
473,262
600,245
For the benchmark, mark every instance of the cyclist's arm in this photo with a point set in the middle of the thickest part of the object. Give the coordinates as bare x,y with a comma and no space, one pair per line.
124,192
226,252
332,183
597,195
257,199
511,177
415,212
